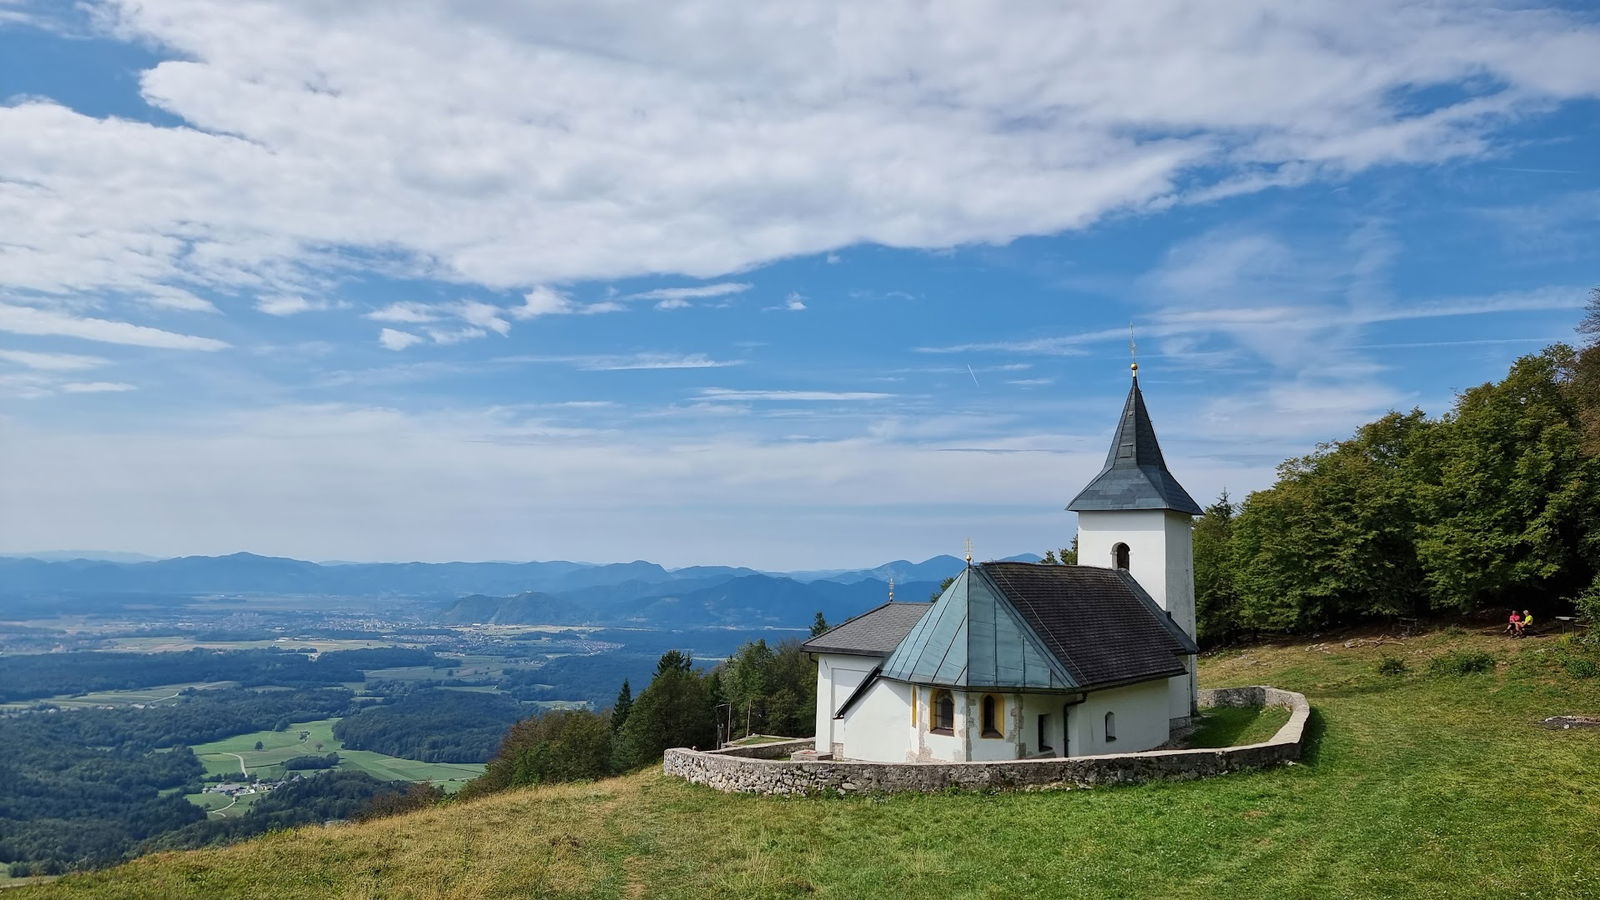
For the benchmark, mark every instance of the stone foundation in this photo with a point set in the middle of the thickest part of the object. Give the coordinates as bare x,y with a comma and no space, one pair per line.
766,768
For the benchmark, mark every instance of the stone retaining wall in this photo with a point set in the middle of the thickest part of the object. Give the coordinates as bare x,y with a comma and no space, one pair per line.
763,768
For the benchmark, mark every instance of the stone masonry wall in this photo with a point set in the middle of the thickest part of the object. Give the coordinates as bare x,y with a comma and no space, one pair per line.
762,769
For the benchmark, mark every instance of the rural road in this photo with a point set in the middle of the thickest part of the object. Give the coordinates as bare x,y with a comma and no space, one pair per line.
219,810
241,764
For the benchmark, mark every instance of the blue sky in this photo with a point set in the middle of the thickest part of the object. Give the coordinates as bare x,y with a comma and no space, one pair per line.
804,286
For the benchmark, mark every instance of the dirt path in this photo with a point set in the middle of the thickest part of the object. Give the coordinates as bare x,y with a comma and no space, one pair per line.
221,809
241,764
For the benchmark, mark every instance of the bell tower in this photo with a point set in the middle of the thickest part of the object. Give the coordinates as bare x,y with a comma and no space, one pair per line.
1135,516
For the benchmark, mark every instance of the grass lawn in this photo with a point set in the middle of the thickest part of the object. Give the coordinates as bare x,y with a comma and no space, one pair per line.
278,746
1415,786
1229,726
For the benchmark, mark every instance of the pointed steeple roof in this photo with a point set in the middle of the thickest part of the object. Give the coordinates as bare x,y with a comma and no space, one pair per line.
1135,475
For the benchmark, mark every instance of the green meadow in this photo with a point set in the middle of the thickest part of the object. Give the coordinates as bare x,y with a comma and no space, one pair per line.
1414,785
315,738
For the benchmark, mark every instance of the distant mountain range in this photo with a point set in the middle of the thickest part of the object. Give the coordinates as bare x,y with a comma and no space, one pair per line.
556,592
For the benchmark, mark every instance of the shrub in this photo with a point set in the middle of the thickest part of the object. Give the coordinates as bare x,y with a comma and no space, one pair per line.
1579,664
1462,662
1392,665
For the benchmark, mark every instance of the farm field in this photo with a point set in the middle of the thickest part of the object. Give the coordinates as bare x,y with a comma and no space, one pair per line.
120,698
178,643
225,757
1403,793
223,806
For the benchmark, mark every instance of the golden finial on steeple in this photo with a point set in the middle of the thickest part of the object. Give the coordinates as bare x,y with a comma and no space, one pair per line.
969,551
1133,350
891,588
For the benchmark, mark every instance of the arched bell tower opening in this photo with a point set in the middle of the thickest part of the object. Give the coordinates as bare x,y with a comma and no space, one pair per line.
1135,517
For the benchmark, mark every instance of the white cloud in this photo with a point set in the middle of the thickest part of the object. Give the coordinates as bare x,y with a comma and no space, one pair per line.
52,362
376,483
722,289
795,302
293,304
547,301
618,363
477,320
29,320
682,297
406,312
392,339
95,387
804,396
710,143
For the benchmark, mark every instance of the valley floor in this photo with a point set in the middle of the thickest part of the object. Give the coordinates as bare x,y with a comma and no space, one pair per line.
1416,785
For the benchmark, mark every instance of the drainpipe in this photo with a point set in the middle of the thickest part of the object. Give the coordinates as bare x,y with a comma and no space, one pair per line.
1066,724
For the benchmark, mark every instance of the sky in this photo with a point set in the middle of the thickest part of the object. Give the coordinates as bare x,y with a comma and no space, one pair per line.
798,285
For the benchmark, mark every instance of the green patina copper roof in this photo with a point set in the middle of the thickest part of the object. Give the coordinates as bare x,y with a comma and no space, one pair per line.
974,638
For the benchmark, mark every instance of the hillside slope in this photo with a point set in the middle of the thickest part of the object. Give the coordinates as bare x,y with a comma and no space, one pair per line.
1417,785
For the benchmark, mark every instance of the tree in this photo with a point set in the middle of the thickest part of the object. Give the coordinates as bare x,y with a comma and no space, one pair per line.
1334,539
1216,597
624,705
674,711
1066,556
417,795
747,679
674,661
943,586
558,745
1508,511
819,624
258,745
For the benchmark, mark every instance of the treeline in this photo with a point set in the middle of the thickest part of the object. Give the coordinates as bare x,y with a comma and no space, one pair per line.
82,789
1495,504
432,725
312,761
196,718
32,676
759,689
66,805
312,800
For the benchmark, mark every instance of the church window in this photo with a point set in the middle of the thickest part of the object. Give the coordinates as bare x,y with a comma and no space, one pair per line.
1111,726
942,713
994,710
1119,556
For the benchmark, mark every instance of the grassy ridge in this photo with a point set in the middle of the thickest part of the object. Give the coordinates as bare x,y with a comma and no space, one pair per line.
1416,786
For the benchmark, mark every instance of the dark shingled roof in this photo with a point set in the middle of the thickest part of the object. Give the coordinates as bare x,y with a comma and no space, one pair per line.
873,633
1135,475
1098,623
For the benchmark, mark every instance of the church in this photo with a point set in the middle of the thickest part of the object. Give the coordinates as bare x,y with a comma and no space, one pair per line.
1030,660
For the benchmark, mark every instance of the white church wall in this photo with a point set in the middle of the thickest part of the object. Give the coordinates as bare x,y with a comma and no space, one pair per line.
838,675
1161,558
1145,532
990,749
1032,707
878,728
1141,719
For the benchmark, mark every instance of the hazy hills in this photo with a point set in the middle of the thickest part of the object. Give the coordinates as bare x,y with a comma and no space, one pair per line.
554,592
